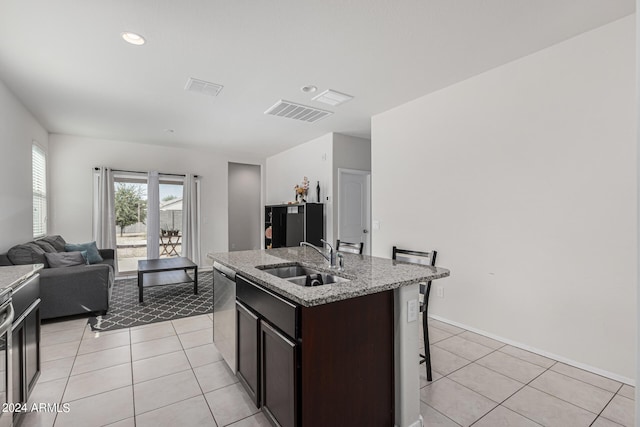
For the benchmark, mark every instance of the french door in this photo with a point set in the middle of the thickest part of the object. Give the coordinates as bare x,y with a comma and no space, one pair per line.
132,214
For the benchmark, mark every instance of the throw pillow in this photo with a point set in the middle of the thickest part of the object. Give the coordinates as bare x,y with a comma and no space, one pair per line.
28,253
64,259
55,241
93,256
46,246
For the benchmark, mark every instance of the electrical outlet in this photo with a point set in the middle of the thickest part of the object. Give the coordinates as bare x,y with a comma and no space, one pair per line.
412,310
440,291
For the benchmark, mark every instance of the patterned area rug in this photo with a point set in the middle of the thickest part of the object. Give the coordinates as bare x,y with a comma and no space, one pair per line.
160,303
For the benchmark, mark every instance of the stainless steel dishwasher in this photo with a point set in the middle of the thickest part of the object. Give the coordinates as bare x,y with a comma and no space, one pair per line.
224,313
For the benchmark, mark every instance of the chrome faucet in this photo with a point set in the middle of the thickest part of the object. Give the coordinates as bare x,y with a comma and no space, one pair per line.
332,253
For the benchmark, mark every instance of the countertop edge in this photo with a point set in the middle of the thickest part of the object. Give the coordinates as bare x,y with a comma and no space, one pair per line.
17,274
323,299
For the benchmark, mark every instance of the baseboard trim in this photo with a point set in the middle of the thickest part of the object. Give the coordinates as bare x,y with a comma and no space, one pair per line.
553,356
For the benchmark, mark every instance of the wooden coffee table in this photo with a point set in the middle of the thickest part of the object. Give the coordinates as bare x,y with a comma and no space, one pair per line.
166,271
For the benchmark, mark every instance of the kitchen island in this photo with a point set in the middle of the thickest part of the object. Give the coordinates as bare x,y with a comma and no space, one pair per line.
19,366
344,353
13,276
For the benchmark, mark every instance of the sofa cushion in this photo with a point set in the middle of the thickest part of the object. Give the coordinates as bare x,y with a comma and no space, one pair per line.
93,256
46,246
55,241
65,259
27,253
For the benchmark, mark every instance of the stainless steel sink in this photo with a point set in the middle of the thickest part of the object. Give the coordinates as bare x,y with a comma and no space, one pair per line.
303,276
317,279
290,271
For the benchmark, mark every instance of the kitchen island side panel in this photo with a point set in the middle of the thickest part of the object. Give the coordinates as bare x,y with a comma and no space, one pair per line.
347,362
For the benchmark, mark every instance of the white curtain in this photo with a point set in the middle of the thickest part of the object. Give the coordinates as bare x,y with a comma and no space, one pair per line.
191,218
153,215
104,212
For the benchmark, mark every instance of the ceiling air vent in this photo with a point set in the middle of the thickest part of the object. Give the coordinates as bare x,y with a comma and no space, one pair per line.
291,110
203,87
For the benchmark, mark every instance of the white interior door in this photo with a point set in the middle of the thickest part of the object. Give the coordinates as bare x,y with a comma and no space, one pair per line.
354,207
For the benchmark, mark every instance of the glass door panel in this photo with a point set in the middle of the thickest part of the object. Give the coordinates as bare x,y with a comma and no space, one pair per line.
131,214
170,218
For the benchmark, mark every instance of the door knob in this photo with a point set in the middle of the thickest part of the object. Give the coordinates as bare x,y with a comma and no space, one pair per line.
365,231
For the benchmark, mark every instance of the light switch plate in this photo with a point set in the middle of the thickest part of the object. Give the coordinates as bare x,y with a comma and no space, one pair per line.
412,310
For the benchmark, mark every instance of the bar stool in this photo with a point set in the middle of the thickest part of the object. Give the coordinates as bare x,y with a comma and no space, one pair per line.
422,258
354,248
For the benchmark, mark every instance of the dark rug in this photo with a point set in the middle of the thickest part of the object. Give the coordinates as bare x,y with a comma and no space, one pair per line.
160,303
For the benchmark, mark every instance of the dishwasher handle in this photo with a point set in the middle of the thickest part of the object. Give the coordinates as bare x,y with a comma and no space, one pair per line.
224,271
4,327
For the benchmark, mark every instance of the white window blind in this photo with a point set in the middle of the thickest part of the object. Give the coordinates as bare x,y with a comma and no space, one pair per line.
39,172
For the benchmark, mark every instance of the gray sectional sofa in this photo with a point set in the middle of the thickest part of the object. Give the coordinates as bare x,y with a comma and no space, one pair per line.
71,290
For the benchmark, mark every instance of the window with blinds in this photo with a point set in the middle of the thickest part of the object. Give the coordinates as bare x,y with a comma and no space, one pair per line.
39,173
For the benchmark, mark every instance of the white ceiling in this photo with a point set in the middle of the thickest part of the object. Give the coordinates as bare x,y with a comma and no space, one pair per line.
67,63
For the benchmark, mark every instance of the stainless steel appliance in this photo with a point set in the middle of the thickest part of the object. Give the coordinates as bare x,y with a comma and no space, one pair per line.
6,320
224,313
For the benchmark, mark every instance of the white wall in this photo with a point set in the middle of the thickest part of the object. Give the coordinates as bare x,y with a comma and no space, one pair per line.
311,159
318,160
72,160
524,178
245,207
349,152
18,129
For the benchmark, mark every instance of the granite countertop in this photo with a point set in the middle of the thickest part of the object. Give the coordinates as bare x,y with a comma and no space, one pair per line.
367,275
13,275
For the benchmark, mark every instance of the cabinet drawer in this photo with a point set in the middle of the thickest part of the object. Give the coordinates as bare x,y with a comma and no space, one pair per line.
25,294
276,310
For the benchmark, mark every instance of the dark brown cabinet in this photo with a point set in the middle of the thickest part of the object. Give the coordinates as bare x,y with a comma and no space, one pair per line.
25,341
248,327
326,365
279,376
26,353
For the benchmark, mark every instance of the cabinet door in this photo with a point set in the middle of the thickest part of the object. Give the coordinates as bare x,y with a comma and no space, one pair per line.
32,349
247,353
295,229
17,368
279,377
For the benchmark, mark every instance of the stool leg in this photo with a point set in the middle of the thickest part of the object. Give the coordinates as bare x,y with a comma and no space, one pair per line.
427,352
425,327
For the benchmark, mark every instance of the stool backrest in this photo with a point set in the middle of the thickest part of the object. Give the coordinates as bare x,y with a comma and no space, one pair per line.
354,248
414,257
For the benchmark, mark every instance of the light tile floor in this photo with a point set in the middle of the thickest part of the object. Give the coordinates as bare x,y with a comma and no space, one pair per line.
162,374
485,383
170,374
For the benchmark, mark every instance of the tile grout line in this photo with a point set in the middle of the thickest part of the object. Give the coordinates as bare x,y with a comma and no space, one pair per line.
556,397
133,389
587,383
447,376
66,384
500,403
513,394
546,369
195,376
607,404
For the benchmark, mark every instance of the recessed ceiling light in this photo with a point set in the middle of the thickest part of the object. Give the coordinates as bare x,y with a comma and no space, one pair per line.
309,89
133,38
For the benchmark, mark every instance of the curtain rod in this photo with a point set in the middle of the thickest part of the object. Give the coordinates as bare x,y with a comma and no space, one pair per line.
159,173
